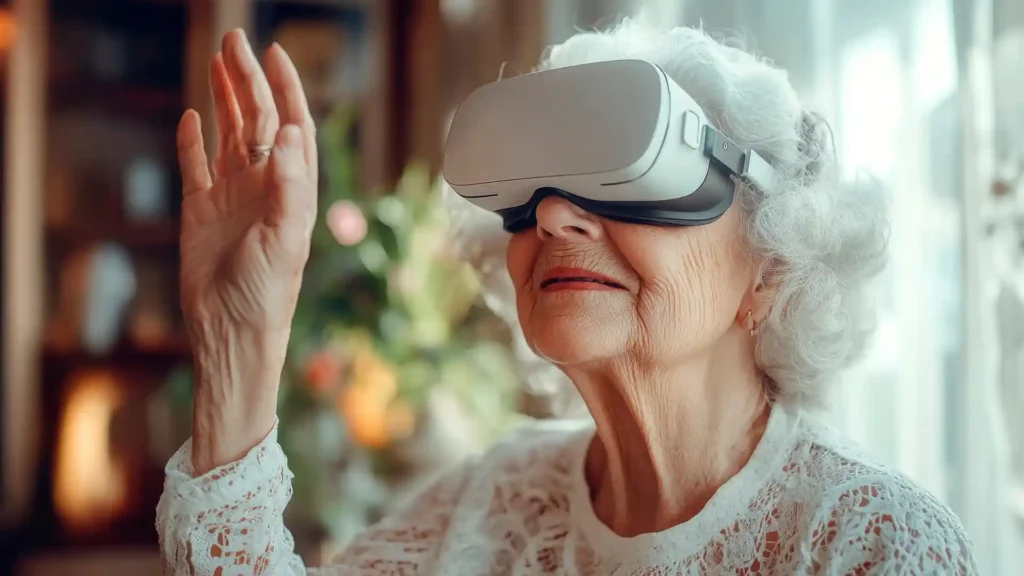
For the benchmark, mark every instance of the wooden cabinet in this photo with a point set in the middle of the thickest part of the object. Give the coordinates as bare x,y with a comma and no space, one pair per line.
91,262
91,219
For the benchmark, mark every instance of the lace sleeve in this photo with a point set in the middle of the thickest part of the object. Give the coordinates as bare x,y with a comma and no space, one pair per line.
230,520
887,526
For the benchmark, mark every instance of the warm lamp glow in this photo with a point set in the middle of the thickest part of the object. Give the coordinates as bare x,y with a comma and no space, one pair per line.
8,30
90,486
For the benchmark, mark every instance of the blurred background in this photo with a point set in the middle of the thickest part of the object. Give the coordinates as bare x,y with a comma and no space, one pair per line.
397,368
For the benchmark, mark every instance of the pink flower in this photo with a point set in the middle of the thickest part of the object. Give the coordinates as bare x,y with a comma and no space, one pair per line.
346,222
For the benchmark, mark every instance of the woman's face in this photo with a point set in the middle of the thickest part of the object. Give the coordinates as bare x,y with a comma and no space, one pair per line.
590,289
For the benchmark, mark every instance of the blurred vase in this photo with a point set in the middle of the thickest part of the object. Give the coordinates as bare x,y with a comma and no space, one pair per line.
111,287
96,287
145,190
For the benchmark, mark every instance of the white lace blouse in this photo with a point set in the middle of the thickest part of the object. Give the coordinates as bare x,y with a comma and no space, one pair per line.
806,503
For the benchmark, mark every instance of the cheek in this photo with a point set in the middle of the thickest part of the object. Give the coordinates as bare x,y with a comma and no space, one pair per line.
520,260
690,284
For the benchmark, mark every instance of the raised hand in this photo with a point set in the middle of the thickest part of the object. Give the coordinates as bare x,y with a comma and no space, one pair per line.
245,240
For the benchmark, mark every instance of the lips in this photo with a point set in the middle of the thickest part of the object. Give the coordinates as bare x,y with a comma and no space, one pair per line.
565,277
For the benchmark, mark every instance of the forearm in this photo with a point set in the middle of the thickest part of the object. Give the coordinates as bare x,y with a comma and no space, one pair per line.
237,373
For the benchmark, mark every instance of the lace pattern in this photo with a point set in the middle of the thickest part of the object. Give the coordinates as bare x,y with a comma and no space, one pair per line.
885,526
811,505
230,520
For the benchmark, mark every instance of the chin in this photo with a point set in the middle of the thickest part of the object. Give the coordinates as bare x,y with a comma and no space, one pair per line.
572,339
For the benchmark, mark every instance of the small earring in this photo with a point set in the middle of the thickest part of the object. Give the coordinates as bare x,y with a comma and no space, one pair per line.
753,323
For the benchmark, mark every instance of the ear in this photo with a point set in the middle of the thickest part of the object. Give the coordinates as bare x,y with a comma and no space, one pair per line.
759,298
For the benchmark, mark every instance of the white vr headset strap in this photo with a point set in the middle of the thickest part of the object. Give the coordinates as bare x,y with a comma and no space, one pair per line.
759,171
746,164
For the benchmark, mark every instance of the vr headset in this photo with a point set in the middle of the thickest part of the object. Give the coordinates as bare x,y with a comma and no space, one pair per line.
619,139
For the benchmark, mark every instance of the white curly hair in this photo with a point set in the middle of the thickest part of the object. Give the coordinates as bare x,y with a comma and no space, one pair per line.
822,241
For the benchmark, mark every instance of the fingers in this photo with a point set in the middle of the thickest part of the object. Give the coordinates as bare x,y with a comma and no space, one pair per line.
290,98
286,87
293,191
250,105
259,115
230,150
195,176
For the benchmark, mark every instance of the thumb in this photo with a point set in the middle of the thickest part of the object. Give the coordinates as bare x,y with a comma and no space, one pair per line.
292,194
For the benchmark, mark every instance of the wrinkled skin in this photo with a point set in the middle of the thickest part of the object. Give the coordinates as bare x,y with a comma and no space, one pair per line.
245,240
655,327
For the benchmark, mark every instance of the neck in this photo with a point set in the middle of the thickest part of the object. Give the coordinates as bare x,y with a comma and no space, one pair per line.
668,436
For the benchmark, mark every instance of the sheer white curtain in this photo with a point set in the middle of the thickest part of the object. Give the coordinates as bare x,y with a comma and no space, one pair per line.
896,118
991,56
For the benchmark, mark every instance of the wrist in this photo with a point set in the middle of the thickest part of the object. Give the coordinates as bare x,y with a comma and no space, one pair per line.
237,372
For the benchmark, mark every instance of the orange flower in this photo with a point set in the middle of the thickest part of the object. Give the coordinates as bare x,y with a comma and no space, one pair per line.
364,404
366,417
323,370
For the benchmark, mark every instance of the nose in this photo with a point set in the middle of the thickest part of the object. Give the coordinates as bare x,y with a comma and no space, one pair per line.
559,218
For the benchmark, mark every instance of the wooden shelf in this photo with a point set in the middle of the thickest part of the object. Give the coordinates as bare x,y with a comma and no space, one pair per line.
126,354
159,235
146,103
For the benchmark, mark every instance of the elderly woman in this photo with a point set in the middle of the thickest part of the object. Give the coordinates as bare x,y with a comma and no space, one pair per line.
699,363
